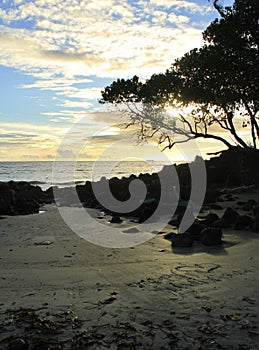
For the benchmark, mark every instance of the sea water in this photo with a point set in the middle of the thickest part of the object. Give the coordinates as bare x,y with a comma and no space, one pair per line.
62,174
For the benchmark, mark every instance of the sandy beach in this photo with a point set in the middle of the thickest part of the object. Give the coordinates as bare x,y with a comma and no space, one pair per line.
144,297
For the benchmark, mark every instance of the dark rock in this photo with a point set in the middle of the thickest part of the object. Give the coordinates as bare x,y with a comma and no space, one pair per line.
169,235
229,198
256,224
25,203
179,214
249,205
7,201
234,167
230,216
176,220
256,210
216,206
239,203
195,230
20,198
212,195
181,240
220,223
45,344
116,220
243,222
18,344
210,219
145,214
211,236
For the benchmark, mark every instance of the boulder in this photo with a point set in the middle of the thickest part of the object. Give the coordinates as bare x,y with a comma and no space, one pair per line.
18,344
256,224
216,206
25,203
20,198
243,222
7,200
211,236
220,223
229,197
115,220
181,240
249,205
195,230
212,195
210,219
145,214
230,216
256,210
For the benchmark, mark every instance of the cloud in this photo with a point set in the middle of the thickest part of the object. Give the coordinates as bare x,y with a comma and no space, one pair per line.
91,38
180,5
72,48
56,84
65,154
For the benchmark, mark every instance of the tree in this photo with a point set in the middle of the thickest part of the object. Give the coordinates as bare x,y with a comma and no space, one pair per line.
213,86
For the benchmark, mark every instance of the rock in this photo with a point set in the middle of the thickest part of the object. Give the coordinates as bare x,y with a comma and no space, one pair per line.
45,344
210,219
195,230
230,216
248,206
169,235
220,223
145,214
243,222
229,198
212,195
216,206
256,224
181,240
20,198
116,220
256,210
179,214
18,344
211,236
25,203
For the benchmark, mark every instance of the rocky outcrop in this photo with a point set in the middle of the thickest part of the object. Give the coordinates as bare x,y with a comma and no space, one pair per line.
21,198
195,230
181,240
211,236
230,215
243,222
256,224
115,220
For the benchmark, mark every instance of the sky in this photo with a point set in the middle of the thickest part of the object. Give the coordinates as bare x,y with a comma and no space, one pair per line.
57,55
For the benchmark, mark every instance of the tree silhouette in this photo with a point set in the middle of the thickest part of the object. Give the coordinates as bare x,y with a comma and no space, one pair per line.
210,89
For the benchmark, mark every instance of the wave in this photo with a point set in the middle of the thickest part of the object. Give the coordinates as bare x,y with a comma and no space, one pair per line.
37,182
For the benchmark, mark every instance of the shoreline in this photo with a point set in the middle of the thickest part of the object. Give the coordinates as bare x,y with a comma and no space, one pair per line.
59,291
144,297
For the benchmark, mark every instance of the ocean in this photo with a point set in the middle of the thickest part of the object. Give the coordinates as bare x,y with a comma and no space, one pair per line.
62,174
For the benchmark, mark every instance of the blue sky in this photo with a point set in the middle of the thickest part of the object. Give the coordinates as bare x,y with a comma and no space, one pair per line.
57,55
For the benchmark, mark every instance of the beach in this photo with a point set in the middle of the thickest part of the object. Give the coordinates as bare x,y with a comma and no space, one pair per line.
62,292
